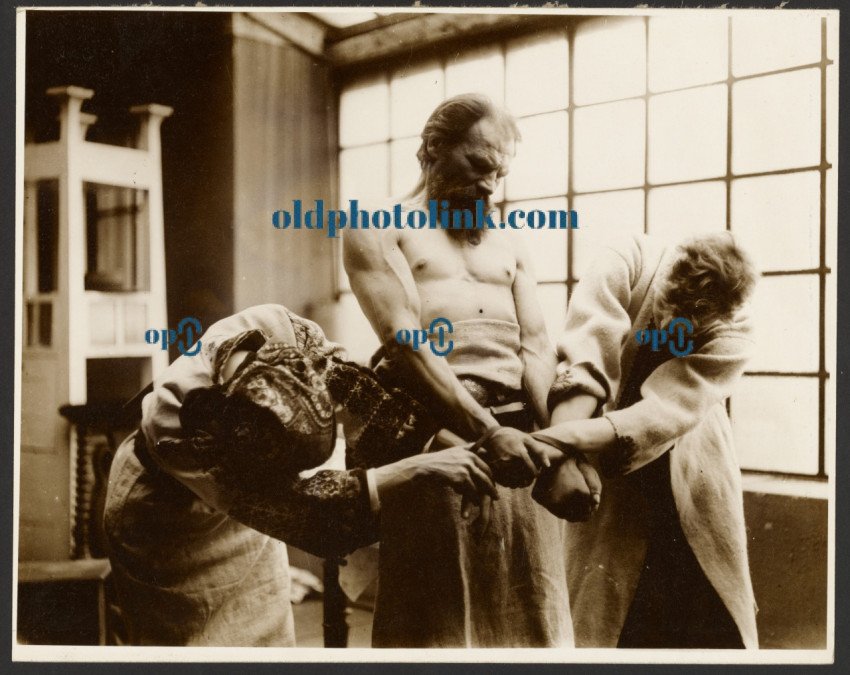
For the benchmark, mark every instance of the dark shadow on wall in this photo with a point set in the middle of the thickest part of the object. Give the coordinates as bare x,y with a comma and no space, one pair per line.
179,60
788,560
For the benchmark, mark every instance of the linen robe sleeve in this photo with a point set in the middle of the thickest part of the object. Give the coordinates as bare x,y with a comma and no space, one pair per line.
677,396
597,325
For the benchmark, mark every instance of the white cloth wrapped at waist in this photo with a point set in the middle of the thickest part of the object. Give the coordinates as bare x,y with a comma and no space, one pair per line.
488,350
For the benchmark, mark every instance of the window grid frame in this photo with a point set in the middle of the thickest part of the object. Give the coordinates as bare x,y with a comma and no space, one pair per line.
570,29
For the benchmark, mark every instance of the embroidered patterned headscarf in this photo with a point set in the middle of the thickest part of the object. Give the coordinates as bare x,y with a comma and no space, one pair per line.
274,417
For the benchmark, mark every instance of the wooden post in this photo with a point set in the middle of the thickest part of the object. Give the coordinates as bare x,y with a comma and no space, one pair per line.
334,609
151,118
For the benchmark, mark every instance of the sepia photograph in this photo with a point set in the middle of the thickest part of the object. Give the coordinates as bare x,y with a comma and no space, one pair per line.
417,334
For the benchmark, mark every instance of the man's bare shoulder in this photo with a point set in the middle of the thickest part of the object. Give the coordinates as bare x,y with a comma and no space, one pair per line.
513,242
372,237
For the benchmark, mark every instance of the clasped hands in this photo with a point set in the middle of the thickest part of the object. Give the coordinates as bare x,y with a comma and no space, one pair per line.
564,481
566,484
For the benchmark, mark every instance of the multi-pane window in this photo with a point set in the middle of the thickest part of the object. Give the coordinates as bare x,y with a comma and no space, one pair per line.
670,124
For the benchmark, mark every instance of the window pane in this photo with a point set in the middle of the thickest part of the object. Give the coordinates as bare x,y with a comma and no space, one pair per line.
775,423
537,74
547,248
610,59
832,37
777,219
771,40
602,217
414,93
776,122
831,192
681,211
405,168
364,112
687,135
609,146
829,422
685,50
785,314
116,238
553,301
540,166
345,323
363,174
479,70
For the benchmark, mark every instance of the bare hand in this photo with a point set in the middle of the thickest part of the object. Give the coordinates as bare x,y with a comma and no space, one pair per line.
515,457
446,438
456,467
570,490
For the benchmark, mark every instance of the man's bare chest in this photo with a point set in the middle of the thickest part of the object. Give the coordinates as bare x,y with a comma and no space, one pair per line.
433,256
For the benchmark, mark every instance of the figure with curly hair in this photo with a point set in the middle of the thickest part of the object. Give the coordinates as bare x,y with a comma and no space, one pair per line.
663,561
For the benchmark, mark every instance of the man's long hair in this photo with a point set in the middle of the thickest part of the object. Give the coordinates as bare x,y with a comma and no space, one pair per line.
450,122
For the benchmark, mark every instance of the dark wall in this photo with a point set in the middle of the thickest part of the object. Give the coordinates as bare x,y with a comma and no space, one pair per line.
180,60
284,149
788,560
254,127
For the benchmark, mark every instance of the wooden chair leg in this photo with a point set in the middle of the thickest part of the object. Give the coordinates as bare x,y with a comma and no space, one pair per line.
334,606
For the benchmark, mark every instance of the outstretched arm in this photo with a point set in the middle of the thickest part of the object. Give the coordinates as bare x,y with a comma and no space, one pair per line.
383,284
328,513
674,398
536,351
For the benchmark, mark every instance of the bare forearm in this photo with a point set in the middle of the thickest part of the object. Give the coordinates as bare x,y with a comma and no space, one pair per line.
538,355
577,407
538,375
582,435
384,286
469,419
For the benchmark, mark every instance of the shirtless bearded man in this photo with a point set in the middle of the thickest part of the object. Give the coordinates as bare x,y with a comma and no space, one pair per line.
444,582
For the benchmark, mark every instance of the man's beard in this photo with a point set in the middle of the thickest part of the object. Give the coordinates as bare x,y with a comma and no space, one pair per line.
460,198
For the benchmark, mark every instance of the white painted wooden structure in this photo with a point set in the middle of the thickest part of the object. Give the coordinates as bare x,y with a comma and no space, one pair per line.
93,276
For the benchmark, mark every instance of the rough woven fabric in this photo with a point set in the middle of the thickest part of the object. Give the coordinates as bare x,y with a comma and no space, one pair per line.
443,585
487,350
681,404
188,574
486,355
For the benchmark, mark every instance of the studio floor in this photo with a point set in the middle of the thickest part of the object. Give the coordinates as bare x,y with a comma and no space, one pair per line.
308,625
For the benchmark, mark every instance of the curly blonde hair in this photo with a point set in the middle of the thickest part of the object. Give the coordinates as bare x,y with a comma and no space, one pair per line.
710,278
